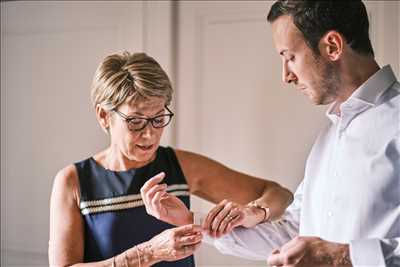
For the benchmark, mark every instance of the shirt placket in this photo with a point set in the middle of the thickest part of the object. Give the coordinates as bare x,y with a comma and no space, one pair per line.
330,203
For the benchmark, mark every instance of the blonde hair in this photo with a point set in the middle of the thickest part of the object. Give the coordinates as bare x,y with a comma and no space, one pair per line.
129,77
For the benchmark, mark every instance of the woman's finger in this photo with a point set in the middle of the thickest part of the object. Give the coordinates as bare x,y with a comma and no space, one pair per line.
189,250
211,215
221,216
233,215
236,221
151,192
190,240
156,203
188,229
152,182
224,223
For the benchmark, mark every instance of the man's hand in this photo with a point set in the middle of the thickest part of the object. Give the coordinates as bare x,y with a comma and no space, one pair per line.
309,252
162,205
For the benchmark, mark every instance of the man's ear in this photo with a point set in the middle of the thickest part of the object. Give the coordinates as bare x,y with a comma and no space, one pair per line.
103,117
331,45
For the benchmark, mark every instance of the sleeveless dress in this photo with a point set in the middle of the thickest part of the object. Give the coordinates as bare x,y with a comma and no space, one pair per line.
113,211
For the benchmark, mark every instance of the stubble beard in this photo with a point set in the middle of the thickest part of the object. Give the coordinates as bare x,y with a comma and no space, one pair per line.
328,83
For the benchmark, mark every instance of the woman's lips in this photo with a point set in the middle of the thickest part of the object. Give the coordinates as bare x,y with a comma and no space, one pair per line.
144,147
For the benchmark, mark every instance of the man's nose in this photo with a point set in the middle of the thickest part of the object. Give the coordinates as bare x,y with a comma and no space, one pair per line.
287,75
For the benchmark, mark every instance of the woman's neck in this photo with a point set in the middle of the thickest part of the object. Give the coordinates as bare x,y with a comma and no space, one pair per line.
114,160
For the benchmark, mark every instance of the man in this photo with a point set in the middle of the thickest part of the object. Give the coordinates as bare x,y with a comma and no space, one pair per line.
346,211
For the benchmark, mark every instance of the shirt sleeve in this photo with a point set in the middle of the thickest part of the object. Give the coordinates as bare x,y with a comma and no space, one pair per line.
375,252
258,242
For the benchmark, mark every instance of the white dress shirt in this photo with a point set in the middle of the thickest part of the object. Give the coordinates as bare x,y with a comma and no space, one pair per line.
351,189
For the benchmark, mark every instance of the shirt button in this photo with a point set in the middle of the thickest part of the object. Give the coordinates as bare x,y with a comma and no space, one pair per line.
330,213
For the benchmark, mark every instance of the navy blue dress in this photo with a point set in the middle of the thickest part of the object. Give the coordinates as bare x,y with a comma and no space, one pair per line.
113,211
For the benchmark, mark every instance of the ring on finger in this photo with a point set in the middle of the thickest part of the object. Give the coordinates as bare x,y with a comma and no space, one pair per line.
229,217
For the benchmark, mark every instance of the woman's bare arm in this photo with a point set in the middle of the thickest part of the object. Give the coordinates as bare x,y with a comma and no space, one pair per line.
215,182
66,244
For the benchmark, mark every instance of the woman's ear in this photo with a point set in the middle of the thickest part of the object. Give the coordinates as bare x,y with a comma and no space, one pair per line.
103,117
331,45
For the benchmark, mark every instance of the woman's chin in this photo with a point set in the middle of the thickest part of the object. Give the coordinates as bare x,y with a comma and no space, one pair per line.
143,154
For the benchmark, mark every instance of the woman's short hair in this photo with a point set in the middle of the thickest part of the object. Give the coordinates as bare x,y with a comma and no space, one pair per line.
129,77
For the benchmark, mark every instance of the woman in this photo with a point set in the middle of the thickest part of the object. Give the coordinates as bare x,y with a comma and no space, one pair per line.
97,216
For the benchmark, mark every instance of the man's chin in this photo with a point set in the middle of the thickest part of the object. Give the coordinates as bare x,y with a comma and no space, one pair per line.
315,100
318,100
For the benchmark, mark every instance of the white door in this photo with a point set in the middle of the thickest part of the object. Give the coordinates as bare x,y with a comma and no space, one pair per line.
232,105
49,52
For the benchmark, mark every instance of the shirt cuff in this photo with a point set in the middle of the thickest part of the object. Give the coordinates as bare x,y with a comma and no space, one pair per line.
198,219
366,252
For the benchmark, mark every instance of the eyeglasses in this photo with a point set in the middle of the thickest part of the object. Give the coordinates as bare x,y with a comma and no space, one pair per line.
139,123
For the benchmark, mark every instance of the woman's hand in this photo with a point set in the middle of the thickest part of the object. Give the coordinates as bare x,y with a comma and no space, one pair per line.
227,215
173,244
162,205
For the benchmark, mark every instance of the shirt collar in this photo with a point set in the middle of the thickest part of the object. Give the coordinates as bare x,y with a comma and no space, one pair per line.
367,95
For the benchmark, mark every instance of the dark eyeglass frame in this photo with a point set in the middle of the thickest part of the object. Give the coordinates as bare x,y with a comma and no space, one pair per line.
151,120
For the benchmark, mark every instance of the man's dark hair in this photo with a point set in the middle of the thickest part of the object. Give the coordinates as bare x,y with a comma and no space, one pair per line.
315,18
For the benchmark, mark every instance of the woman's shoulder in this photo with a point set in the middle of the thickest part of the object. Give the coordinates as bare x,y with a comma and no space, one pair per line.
187,157
66,182
67,174
179,153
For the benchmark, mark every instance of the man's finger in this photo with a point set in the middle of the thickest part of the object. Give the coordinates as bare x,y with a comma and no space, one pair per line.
275,260
293,242
276,251
289,257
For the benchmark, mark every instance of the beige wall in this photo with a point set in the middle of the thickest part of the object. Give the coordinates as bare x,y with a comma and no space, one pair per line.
49,51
